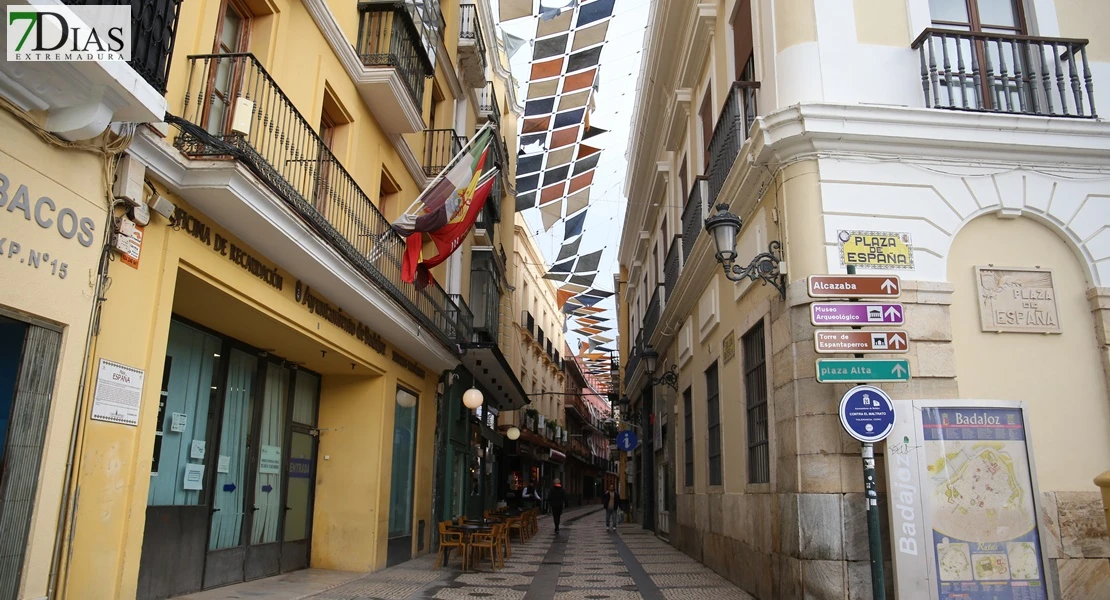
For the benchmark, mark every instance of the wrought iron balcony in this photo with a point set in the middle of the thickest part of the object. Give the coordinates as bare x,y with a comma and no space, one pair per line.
672,267
389,38
463,316
994,72
440,146
729,134
489,109
693,215
472,46
651,315
634,357
234,109
529,323
153,32
485,293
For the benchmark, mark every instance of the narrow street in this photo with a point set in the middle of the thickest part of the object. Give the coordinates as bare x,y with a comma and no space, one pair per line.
584,562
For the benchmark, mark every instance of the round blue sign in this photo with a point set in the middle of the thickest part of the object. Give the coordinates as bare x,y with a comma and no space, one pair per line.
627,441
867,413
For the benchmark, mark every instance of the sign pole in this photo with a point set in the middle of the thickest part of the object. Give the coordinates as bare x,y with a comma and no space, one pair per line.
874,534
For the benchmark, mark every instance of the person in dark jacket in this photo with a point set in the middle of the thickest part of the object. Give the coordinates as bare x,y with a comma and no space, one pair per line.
611,500
555,501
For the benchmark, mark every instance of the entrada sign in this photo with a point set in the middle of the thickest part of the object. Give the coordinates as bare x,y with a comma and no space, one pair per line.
854,286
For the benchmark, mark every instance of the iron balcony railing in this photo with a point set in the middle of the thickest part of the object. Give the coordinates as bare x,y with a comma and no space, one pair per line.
539,336
153,32
693,216
485,293
470,28
672,267
388,37
995,72
634,357
488,106
529,323
464,317
234,108
729,134
651,315
440,146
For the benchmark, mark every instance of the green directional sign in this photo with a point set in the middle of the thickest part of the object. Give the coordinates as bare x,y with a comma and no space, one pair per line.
862,370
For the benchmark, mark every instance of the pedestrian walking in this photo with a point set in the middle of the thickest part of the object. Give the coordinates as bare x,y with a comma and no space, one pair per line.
612,502
556,499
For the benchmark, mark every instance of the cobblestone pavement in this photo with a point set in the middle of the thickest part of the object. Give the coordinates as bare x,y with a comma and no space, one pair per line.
584,562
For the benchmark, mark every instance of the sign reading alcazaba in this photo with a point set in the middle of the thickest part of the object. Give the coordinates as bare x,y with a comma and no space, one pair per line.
1017,300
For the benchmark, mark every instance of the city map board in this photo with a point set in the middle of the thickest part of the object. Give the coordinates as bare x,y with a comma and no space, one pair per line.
964,521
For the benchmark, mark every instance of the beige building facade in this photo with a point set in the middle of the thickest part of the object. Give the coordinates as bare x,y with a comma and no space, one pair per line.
807,119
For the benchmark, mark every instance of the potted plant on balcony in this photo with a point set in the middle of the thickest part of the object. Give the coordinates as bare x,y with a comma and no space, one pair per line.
530,416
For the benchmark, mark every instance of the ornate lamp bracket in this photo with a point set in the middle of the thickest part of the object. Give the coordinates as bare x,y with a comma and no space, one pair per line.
764,266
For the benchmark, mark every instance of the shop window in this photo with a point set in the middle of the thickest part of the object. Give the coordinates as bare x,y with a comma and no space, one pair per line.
404,464
189,383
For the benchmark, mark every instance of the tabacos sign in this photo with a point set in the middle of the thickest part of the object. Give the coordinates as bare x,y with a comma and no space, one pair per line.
60,33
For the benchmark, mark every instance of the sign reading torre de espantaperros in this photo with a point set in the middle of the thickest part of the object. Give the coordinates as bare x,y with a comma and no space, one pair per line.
1019,300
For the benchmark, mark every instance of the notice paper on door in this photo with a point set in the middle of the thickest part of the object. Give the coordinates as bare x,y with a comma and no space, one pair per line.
269,460
223,465
194,477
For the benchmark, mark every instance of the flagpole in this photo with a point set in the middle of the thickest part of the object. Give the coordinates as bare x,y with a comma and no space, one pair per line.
443,172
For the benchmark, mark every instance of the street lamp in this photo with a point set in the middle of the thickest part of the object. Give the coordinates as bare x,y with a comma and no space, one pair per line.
723,227
513,433
473,398
651,360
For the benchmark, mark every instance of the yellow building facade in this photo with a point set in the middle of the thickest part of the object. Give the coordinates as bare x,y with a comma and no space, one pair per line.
260,390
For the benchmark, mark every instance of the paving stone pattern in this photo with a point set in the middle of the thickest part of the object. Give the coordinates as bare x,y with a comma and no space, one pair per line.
584,562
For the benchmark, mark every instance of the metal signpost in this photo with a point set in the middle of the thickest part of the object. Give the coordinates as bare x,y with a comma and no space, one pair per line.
866,412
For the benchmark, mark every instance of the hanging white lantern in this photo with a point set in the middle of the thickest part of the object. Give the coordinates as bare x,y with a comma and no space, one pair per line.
406,400
513,433
473,398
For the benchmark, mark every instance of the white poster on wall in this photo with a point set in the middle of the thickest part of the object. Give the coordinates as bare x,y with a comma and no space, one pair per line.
194,477
119,393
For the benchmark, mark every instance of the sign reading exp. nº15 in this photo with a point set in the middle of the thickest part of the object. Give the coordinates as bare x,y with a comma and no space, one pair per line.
876,249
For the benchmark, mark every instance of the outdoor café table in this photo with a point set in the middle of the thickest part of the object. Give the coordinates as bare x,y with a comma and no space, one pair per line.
467,529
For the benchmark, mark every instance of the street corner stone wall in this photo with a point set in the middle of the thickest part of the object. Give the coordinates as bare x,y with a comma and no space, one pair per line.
1078,544
821,548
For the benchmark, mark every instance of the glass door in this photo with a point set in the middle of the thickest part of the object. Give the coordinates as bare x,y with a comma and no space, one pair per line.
301,472
403,475
231,489
267,506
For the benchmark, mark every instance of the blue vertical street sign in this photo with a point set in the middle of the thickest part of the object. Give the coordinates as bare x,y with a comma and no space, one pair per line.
627,441
867,413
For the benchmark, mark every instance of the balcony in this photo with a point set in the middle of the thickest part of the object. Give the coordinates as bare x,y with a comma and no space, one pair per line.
651,315
729,134
485,293
528,322
389,45
539,337
1000,73
81,98
234,109
440,146
461,315
634,357
672,267
693,215
489,109
472,47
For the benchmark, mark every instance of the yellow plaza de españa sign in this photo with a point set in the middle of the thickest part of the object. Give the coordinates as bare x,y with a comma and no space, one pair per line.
876,249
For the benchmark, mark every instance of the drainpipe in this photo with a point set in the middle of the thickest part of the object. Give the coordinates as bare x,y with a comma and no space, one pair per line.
75,430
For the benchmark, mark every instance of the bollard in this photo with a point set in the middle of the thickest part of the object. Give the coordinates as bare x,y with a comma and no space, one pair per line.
1103,481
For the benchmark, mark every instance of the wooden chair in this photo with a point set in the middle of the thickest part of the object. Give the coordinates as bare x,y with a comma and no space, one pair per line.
448,540
517,524
506,546
488,540
533,522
